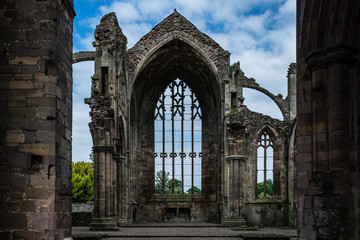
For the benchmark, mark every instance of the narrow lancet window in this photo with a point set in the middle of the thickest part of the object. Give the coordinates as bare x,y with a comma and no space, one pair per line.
104,79
265,165
177,141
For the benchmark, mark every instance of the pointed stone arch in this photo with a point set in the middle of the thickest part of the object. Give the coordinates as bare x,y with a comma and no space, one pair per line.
278,157
175,26
176,55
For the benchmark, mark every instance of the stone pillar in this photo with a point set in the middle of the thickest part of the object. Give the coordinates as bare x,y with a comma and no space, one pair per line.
292,90
121,202
35,119
105,172
110,46
328,205
235,165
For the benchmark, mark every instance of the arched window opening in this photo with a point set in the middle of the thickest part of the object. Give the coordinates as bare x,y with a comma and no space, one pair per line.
177,141
265,165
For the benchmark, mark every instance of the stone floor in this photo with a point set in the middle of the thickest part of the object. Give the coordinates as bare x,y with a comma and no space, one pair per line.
182,231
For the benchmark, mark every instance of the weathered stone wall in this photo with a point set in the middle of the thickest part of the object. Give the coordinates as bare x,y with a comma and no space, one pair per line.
125,89
36,115
174,49
107,104
82,213
292,179
327,134
243,130
175,26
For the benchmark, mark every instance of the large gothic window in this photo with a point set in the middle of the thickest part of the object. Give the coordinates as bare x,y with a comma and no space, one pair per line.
265,165
177,141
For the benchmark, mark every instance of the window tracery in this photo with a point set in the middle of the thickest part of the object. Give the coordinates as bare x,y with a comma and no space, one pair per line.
265,165
177,141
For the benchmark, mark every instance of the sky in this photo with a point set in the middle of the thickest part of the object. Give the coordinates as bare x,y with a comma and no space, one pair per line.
260,34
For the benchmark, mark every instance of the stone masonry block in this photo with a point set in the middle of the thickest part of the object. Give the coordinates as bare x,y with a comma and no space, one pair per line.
23,76
8,221
28,206
50,89
4,84
17,104
24,60
5,178
17,160
29,69
21,85
43,101
45,78
46,113
34,93
10,69
20,181
15,136
17,95
38,149
39,221
38,180
15,195
46,206
37,193
45,136
26,235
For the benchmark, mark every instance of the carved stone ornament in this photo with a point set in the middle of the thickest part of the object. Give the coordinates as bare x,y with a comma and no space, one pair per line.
340,54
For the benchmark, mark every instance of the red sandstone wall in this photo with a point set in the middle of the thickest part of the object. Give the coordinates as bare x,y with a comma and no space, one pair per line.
328,110
36,115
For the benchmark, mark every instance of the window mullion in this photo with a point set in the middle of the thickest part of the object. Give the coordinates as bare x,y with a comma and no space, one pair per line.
265,167
192,142
182,139
163,142
182,142
172,135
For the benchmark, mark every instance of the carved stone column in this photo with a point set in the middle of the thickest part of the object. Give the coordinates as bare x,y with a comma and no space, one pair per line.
105,195
121,203
328,207
110,44
292,90
235,163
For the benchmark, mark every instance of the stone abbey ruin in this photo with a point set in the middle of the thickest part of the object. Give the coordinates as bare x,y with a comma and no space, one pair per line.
171,106
172,138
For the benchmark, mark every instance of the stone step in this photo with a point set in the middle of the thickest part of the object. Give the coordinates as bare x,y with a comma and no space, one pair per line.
263,237
177,225
175,238
183,231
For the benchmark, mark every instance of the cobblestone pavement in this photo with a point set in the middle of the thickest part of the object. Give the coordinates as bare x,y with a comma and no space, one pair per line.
184,231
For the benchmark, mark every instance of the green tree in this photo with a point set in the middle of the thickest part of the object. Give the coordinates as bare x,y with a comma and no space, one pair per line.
269,188
177,186
82,182
168,183
91,158
159,182
196,190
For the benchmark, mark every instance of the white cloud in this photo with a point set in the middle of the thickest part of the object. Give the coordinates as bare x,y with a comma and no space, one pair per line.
82,142
125,11
84,43
255,24
154,9
90,23
134,31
